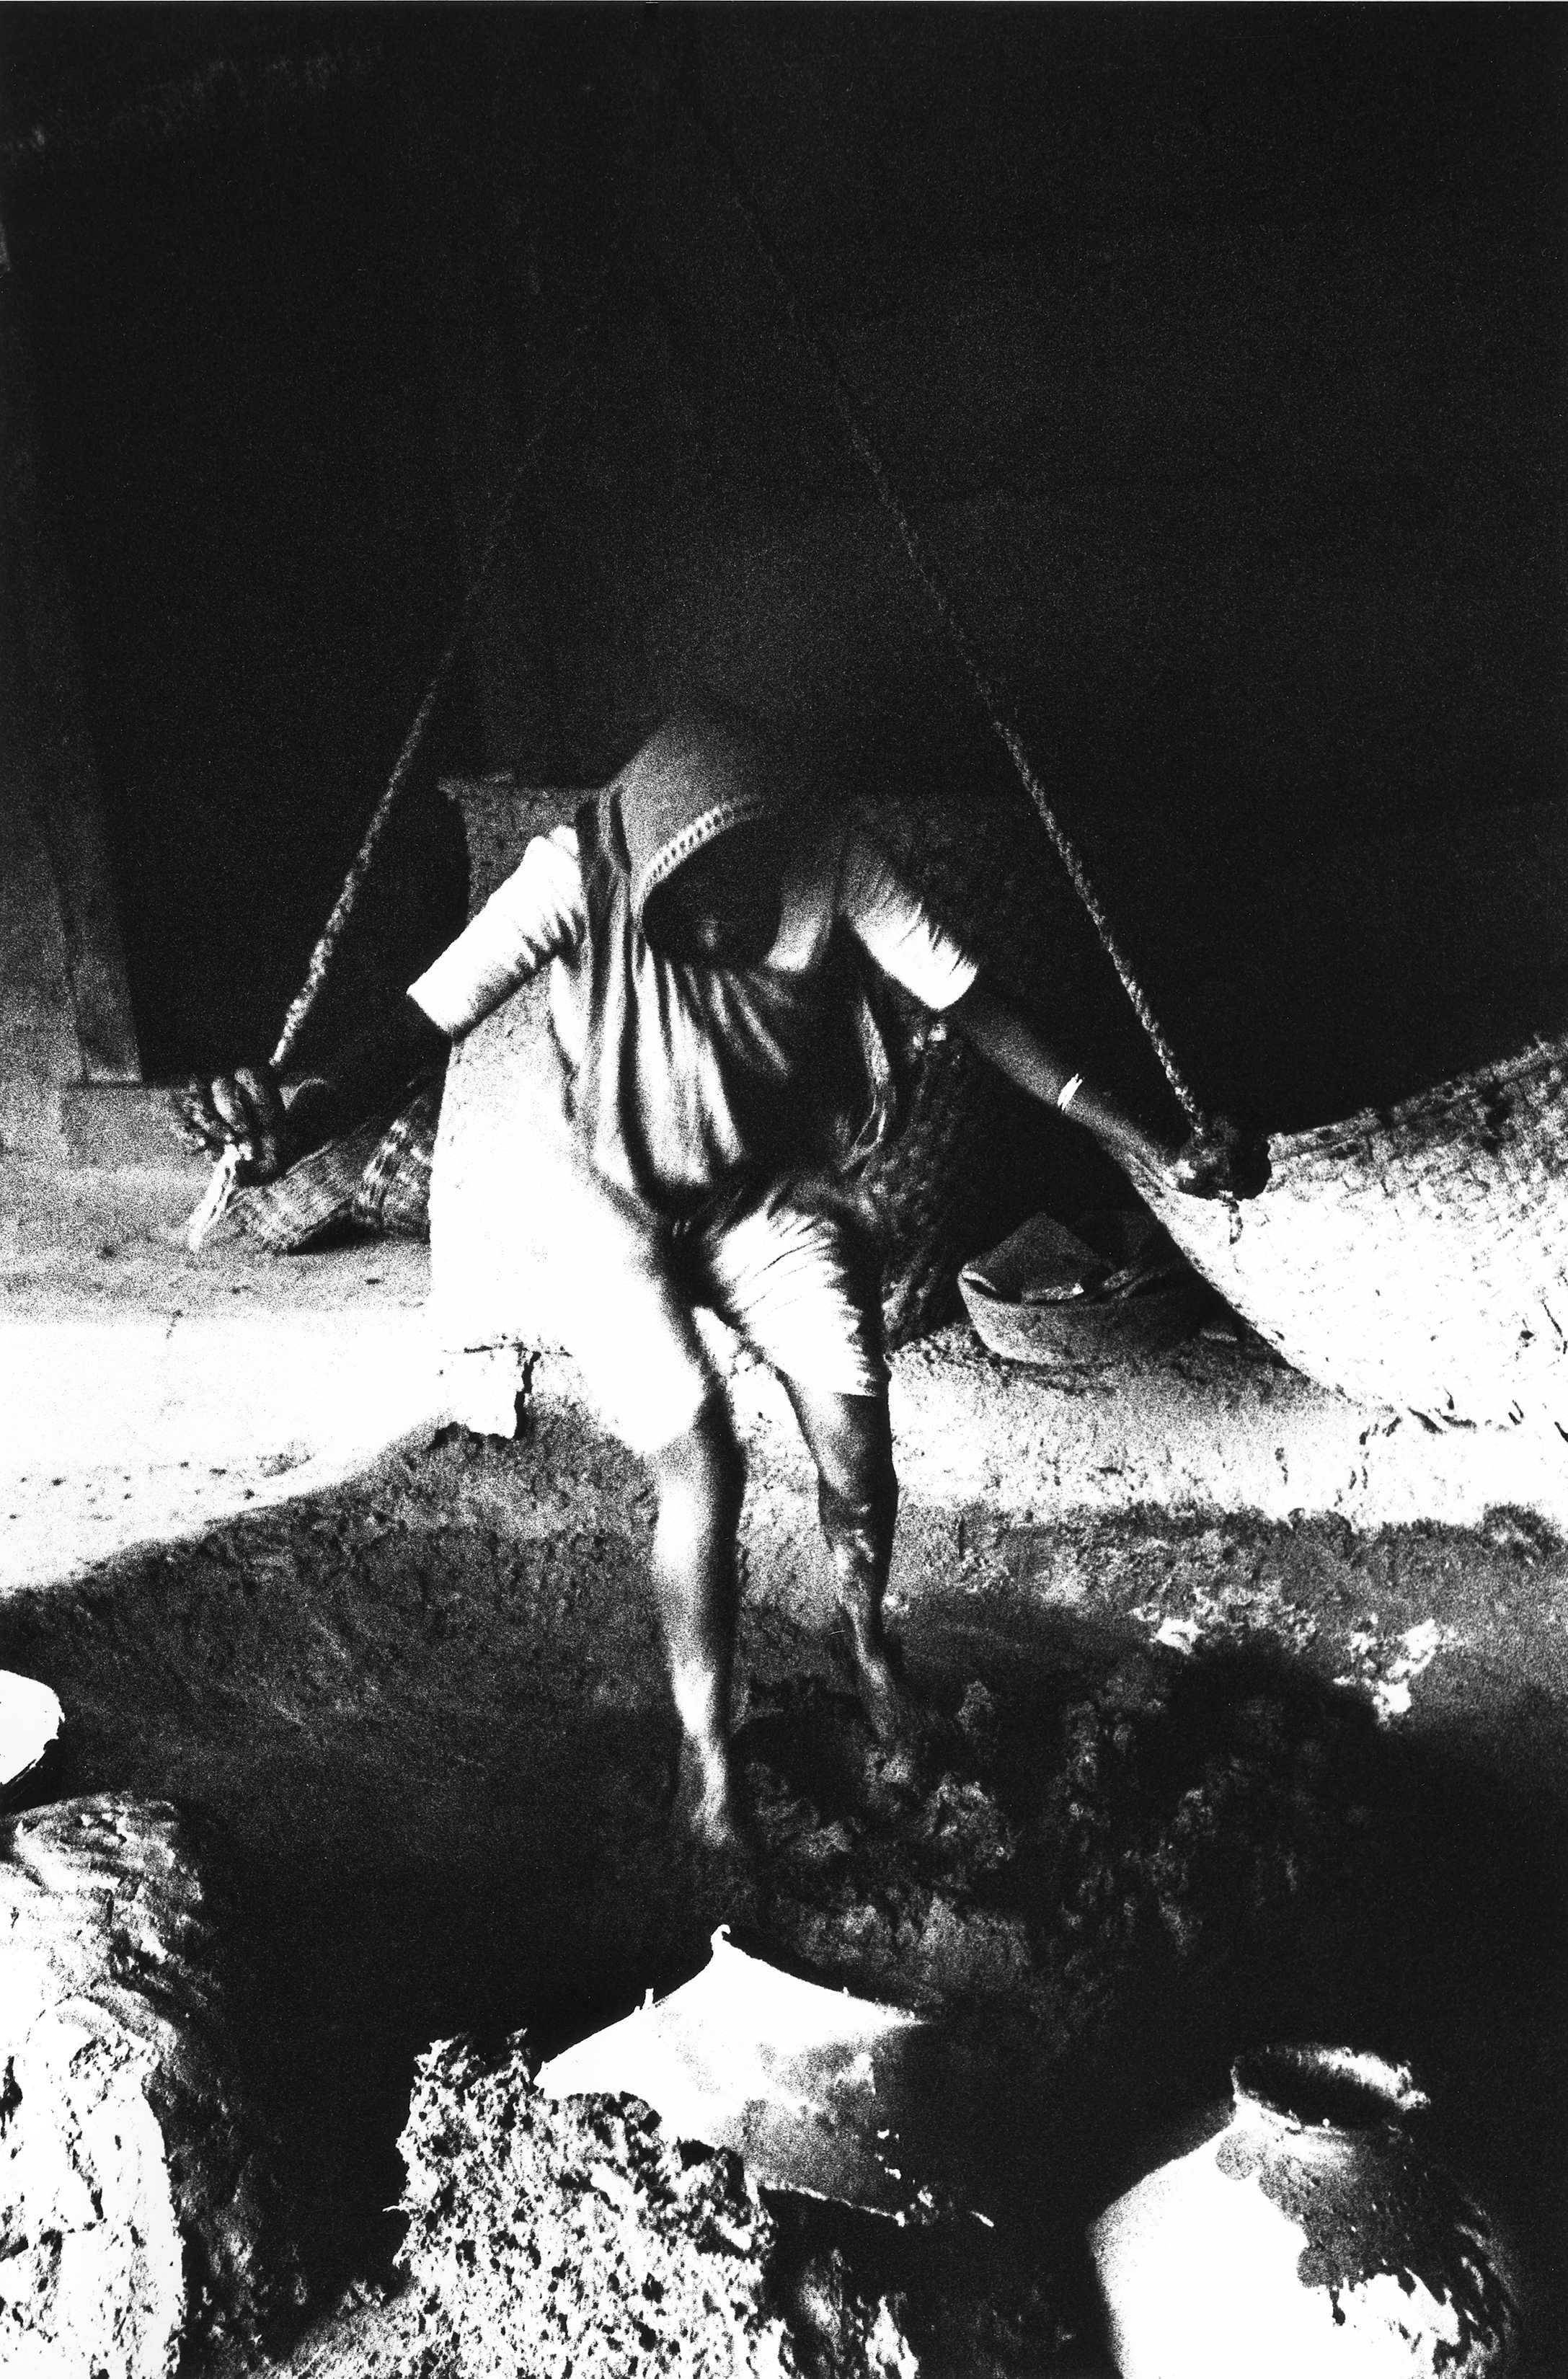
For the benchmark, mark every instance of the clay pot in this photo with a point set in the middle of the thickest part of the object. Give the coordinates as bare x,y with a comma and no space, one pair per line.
30,1730
1307,2238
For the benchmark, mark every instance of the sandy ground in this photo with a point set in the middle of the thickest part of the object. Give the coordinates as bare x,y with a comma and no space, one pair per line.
146,1393
411,1674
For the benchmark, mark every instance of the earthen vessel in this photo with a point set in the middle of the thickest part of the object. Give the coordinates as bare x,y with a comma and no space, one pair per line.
1308,2236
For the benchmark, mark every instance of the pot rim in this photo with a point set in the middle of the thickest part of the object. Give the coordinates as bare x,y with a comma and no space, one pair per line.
1311,2086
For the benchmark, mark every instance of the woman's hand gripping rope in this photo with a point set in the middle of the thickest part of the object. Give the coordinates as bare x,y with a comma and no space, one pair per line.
239,1119
1220,1159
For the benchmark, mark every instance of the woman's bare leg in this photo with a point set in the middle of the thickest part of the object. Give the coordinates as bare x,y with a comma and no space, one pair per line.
700,1478
851,1440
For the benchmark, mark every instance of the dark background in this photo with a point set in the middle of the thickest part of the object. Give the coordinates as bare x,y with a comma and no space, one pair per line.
1220,353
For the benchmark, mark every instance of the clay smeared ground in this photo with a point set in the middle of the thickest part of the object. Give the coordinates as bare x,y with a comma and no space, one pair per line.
428,1715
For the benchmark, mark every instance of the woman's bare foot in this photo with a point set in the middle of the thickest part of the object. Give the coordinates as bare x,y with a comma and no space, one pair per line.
894,1715
705,1810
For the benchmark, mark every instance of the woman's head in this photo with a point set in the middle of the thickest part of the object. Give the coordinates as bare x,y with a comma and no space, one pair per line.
702,813
720,907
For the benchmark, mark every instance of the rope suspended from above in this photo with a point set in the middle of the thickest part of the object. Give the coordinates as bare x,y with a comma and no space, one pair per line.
342,908
225,1173
826,368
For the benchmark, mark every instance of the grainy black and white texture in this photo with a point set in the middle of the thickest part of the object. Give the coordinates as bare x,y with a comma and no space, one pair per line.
1220,355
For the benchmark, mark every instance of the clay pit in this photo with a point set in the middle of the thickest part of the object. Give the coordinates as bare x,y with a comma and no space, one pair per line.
417,1724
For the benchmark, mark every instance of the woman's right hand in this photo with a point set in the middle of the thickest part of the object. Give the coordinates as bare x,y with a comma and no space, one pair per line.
1221,1160
243,1111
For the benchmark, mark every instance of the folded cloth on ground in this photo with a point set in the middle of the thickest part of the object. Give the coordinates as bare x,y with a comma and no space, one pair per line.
375,1178
393,1195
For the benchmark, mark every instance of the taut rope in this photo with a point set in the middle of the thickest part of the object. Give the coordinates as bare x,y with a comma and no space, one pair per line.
826,368
225,1173
353,883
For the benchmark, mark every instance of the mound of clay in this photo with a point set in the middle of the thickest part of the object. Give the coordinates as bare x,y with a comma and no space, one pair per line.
547,2239
135,2210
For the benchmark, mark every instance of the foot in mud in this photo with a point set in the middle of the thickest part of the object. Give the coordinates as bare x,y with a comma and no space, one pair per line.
894,1714
910,1739
704,1813
720,1886
713,1851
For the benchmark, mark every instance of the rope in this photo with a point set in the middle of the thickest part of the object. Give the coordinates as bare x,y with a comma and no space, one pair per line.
353,883
821,360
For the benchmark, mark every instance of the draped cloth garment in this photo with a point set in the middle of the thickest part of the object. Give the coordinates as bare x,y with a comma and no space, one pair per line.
675,1103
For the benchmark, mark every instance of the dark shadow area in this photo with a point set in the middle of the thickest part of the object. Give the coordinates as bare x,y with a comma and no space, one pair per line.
1219,357
244,429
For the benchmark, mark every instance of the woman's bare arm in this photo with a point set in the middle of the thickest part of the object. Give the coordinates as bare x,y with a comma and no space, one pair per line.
993,1026
531,918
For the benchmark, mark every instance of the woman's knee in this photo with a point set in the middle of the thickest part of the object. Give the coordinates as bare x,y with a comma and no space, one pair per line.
859,1528
850,1437
851,1443
705,1465
857,1493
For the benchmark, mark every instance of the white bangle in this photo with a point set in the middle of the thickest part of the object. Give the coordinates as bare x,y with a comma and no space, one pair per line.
1070,1091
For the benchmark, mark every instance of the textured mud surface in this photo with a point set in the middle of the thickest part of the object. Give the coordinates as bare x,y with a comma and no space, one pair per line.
552,2239
137,2209
548,2235
1151,1829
